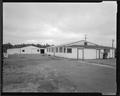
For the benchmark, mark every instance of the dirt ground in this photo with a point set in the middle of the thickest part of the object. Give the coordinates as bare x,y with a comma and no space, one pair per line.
42,73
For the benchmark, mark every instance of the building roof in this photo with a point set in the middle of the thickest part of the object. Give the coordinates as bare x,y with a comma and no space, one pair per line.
32,46
27,46
84,44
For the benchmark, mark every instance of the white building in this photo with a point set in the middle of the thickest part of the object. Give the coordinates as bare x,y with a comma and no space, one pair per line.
26,50
81,50
5,55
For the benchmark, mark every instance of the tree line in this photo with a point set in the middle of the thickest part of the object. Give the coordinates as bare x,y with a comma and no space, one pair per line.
9,45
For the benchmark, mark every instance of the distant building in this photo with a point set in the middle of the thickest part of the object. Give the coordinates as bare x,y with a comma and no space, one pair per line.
26,50
81,50
5,55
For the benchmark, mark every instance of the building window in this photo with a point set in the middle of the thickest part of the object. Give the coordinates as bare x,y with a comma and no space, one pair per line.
52,49
38,50
48,49
60,49
56,49
23,50
107,50
69,50
64,50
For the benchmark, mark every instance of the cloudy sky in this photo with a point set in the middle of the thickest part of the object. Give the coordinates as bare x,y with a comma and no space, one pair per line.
58,23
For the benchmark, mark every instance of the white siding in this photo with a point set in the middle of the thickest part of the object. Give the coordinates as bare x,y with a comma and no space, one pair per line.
30,50
97,54
49,52
13,51
66,55
89,53
27,50
101,53
80,53
5,55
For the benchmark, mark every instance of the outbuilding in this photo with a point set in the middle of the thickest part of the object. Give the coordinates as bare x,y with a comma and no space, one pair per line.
81,50
26,50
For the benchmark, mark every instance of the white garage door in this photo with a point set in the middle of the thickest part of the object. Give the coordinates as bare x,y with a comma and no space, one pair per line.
89,53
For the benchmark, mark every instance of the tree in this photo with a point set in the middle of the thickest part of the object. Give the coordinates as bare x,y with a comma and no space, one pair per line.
6,46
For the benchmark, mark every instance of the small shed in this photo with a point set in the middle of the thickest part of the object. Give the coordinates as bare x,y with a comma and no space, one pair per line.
13,51
31,50
5,55
26,50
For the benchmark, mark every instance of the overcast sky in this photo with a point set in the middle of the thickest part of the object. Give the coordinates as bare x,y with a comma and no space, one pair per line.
58,23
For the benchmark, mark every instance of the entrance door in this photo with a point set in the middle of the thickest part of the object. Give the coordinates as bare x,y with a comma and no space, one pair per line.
97,54
42,51
80,53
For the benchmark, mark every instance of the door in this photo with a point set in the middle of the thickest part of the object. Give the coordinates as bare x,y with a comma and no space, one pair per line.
42,51
97,54
80,53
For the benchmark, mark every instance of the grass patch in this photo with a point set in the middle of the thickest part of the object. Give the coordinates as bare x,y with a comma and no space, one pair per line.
46,80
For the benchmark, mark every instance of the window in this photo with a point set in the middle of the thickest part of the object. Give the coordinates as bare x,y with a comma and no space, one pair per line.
107,50
56,49
69,50
60,49
23,50
64,50
37,50
49,49
52,49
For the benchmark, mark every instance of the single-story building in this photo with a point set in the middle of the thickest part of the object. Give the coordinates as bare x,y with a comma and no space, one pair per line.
26,50
5,55
81,50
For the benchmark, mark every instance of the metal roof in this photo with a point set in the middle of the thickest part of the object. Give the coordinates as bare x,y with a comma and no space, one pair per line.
81,43
88,46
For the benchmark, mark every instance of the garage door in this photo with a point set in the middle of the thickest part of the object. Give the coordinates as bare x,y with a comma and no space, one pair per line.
89,53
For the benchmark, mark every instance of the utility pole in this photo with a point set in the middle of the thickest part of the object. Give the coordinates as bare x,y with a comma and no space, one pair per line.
112,47
85,37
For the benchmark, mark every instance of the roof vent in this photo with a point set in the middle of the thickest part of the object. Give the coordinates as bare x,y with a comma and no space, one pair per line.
85,43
